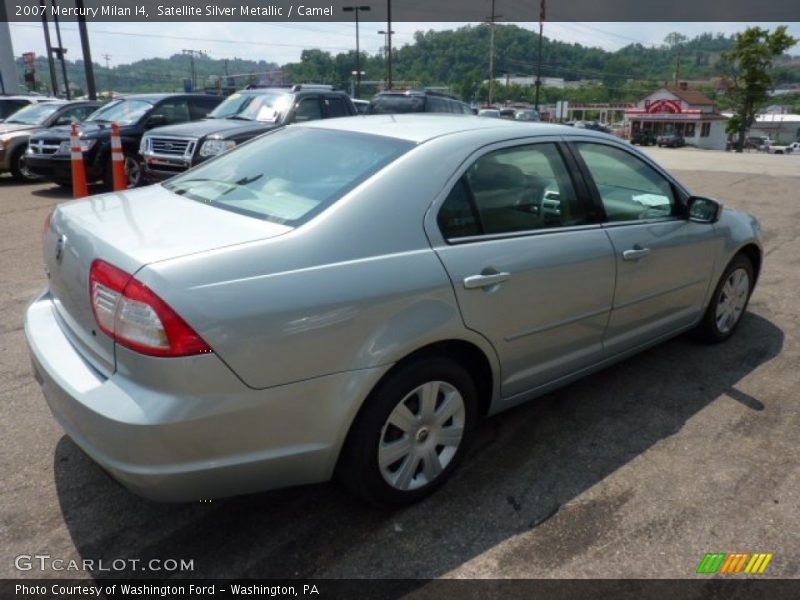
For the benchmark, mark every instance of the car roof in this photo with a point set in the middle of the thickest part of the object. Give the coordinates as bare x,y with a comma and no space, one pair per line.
33,99
421,127
159,97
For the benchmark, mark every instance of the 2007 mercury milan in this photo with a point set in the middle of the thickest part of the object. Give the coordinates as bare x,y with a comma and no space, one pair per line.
347,297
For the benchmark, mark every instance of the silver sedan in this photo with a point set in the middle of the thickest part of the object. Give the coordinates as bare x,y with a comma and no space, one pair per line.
348,297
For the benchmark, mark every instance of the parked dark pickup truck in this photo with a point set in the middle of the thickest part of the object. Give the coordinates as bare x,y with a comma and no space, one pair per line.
168,151
48,151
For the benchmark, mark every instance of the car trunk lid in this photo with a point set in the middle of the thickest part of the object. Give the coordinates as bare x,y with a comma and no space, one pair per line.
129,230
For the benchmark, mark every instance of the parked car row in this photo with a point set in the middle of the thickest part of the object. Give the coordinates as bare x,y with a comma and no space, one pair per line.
165,134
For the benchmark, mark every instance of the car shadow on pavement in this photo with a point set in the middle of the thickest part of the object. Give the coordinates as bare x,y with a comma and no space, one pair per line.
525,465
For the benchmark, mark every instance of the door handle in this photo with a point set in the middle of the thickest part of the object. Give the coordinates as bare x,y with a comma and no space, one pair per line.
635,253
481,281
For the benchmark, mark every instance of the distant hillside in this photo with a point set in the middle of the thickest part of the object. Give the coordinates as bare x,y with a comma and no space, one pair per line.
152,74
458,59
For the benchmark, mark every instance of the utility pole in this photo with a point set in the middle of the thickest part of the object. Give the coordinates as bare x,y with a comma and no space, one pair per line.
60,50
494,16
678,69
108,75
386,35
49,48
356,10
88,67
192,54
539,60
389,33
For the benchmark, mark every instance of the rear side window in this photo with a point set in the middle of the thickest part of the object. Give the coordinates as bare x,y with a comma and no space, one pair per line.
307,109
336,107
524,188
174,111
289,175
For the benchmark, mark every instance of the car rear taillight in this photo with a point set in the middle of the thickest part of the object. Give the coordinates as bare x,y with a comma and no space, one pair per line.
134,316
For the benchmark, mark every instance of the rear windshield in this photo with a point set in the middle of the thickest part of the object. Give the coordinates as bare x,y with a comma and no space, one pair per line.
394,104
289,175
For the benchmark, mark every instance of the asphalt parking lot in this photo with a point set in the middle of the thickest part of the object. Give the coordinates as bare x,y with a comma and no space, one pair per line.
636,471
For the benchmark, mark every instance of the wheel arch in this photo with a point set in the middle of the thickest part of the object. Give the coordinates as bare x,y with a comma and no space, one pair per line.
465,353
753,253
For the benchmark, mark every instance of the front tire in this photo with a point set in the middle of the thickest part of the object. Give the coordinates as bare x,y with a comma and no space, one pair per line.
19,169
411,434
728,303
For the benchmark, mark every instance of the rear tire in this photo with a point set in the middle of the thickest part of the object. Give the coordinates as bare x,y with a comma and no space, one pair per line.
728,303
411,434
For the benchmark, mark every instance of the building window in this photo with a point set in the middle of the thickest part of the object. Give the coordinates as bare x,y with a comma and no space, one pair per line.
689,131
705,130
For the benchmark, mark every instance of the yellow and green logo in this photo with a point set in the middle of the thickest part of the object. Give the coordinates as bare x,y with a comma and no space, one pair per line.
735,562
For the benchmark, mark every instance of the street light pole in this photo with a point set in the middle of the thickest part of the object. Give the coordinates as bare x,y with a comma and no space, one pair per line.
356,10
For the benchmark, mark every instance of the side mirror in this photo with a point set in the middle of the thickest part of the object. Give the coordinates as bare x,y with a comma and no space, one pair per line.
155,121
704,210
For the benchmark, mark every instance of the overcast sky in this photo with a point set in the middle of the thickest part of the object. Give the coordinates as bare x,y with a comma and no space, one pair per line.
283,42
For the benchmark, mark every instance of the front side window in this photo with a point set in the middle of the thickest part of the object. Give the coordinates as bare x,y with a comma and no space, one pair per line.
629,188
512,190
289,175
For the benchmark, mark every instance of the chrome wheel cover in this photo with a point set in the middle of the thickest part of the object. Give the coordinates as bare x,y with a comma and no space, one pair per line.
421,436
732,300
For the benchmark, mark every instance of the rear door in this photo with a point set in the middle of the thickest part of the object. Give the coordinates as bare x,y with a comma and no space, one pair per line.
663,260
531,270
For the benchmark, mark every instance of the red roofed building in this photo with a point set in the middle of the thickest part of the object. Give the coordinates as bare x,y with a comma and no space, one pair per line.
678,108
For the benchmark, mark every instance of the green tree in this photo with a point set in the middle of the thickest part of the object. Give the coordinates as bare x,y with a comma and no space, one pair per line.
749,74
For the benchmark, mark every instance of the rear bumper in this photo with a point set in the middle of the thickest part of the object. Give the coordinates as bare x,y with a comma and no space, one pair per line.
210,438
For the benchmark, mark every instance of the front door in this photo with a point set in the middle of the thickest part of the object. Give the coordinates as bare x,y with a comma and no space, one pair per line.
530,271
663,260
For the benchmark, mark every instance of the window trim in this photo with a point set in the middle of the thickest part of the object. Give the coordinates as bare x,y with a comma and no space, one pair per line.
581,193
680,193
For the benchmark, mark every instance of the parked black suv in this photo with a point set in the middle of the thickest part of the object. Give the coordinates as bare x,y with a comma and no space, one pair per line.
416,101
643,137
244,115
48,152
30,120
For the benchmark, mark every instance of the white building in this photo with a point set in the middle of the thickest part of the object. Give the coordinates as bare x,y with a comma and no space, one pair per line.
524,81
677,108
781,128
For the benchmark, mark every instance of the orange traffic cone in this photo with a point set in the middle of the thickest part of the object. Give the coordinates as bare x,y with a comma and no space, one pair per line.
79,187
117,160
